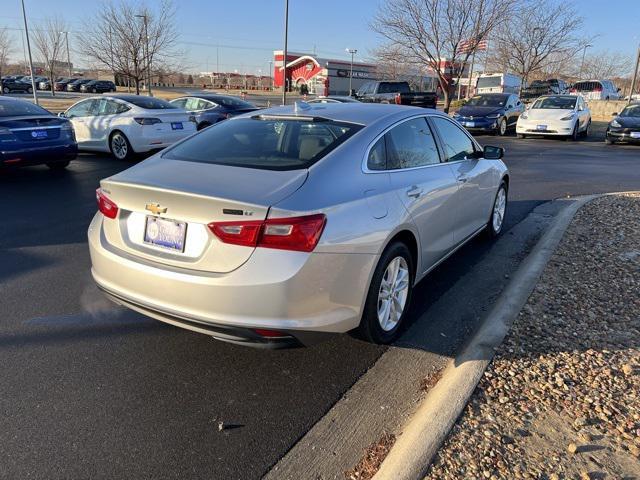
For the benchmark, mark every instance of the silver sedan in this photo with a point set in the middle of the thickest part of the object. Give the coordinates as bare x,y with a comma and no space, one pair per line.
283,226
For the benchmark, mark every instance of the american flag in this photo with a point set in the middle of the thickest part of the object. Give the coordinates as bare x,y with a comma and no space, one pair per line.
466,46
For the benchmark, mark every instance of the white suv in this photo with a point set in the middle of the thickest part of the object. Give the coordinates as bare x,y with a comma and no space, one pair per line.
596,90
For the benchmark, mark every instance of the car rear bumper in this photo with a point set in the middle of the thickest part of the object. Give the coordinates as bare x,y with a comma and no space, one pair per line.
304,295
151,139
38,155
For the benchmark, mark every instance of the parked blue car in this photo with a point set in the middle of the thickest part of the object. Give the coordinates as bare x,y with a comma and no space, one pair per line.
490,113
31,135
210,109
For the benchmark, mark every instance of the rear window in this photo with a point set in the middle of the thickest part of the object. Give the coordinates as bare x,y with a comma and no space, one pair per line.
267,144
150,103
484,82
394,87
587,86
19,108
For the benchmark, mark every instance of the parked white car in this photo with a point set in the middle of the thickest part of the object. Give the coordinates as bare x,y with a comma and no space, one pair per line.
596,90
127,124
555,115
498,83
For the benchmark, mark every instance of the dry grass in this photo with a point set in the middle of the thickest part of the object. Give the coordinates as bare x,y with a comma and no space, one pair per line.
374,455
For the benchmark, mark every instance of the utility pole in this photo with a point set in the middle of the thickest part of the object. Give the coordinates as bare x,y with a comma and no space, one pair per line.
270,75
635,75
584,52
146,52
26,31
284,59
352,51
66,39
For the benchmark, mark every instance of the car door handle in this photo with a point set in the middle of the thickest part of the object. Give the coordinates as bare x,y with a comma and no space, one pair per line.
414,192
462,178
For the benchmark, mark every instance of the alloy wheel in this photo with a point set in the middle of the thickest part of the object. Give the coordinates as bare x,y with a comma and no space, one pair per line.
393,293
119,146
503,127
499,208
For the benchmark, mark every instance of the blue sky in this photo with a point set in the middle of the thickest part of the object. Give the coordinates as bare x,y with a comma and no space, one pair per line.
246,31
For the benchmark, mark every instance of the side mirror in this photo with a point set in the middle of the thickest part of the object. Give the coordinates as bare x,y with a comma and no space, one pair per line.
614,114
61,114
353,92
492,153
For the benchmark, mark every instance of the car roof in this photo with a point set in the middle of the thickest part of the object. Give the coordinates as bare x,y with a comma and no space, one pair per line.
359,113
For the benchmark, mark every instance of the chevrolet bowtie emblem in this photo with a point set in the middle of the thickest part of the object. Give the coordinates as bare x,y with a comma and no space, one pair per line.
155,208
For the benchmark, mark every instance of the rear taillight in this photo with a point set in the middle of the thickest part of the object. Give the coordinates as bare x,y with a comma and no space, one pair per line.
398,99
299,234
147,121
67,127
106,206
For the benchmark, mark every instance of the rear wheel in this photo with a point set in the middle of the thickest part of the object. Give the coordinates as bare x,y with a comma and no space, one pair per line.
120,146
58,166
389,295
496,221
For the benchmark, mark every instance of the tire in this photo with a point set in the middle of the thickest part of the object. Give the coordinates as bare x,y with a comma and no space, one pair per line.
202,126
521,135
608,141
585,134
379,324
498,211
574,135
6,90
120,146
30,90
502,127
58,166
93,90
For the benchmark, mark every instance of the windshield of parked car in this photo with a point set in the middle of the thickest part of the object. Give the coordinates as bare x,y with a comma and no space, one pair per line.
558,103
232,102
487,101
631,111
15,109
150,103
267,143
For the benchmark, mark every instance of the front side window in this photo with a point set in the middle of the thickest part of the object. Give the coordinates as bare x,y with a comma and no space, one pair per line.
82,109
411,144
457,145
264,143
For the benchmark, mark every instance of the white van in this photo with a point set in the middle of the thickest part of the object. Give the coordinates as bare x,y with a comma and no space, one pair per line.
596,90
498,83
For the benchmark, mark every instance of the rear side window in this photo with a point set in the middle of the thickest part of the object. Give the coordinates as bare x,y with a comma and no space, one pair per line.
457,144
411,144
268,144
149,103
377,159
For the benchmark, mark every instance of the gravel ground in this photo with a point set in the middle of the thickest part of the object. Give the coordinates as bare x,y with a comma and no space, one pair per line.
561,399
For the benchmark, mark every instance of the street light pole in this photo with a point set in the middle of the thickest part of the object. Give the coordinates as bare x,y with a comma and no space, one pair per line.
635,75
352,51
284,59
144,17
26,31
66,39
584,52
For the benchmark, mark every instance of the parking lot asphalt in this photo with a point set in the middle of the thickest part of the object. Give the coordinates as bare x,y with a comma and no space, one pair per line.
91,390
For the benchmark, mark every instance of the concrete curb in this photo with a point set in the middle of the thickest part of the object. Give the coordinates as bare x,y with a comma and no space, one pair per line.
427,429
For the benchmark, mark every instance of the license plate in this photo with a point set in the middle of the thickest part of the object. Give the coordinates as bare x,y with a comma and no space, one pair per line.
176,126
635,134
165,233
470,124
541,127
38,134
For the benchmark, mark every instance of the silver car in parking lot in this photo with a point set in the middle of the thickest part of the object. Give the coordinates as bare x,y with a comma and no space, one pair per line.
282,226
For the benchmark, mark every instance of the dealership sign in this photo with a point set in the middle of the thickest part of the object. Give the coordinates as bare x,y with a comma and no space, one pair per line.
345,73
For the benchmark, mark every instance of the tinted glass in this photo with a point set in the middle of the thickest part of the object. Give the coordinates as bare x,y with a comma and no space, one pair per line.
489,82
106,107
18,108
410,145
270,144
487,101
180,102
377,156
587,86
560,103
397,87
457,144
150,103
232,102
82,109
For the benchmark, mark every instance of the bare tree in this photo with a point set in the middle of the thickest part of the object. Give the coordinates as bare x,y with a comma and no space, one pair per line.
5,50
391,63
48,39
541,35
432,33
115,39
606,65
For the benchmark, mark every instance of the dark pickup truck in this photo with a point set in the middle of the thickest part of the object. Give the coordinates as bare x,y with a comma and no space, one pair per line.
395,92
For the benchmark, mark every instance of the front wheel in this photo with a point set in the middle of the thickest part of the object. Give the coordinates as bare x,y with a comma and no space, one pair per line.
58,166
520,135
30,90
574,134
587,130
389,295
502,127
6,90
120,146
496,221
